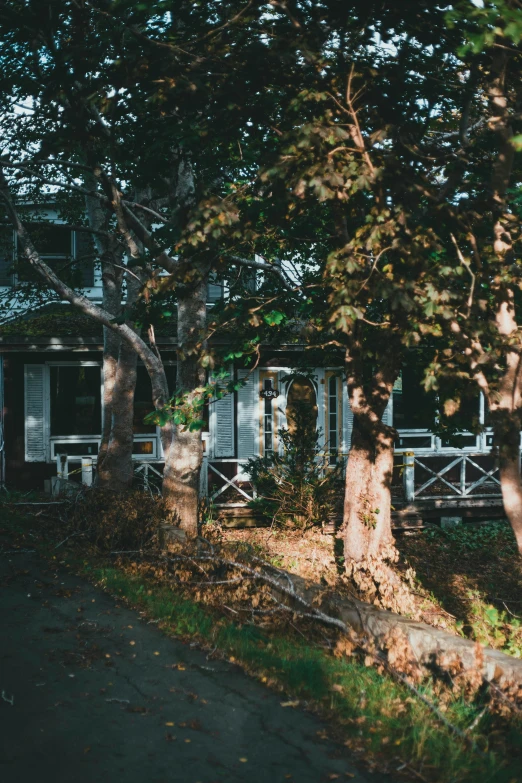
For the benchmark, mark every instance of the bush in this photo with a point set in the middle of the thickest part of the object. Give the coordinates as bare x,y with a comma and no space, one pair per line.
114,522
299,485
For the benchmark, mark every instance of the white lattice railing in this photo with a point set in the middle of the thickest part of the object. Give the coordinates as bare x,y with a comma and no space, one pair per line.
148,473
236,482
462,475
145,471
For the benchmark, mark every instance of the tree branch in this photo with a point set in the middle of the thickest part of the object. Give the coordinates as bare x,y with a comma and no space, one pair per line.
96,312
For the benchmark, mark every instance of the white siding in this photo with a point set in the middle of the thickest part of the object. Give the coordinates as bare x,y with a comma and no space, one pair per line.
387,416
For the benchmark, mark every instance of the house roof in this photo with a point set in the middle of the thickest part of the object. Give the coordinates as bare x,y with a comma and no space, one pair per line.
60,325
57,326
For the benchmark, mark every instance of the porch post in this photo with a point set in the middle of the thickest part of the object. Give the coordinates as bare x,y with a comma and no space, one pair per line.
203,473
87,471
408,475
62,467
62,474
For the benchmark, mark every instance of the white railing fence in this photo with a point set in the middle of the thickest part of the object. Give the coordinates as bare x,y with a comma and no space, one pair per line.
224,482
462,475
147,475
238,483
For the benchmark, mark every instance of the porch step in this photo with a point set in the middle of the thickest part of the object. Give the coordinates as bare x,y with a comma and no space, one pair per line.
412,517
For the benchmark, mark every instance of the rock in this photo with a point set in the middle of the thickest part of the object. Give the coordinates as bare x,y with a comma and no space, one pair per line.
447,523
171,535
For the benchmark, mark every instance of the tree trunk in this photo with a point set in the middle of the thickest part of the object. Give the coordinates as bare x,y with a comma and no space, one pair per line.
114,465
505,405
367,503
369,547
507,441
183,463
111,344
115,471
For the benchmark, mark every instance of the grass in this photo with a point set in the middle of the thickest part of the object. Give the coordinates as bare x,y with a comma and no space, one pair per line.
367,710
375,715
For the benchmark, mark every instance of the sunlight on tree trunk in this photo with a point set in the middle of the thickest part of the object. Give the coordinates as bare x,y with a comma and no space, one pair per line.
115,471
183,463
369,547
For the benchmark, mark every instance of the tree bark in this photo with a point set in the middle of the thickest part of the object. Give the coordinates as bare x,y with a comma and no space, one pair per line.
115,470
507,441
183,463
114,465
367,503
369,546
506,402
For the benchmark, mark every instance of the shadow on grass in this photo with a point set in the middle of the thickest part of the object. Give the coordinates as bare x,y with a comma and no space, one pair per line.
467,564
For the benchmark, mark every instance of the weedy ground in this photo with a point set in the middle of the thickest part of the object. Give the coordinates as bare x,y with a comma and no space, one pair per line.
371,712
466,580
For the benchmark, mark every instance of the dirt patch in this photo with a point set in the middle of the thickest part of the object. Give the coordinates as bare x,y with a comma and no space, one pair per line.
311,554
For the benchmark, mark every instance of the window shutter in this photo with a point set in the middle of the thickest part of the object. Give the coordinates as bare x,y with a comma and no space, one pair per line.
387,416
347,419
247,416
215,289
6,255
36,418
85,253
222,426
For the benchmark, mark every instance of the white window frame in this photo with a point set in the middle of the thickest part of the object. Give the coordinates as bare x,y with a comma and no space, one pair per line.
57,440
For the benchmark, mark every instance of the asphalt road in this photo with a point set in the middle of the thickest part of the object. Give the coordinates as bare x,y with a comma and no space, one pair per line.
92,692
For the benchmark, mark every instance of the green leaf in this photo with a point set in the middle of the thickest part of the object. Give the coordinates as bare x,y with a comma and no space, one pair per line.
274,318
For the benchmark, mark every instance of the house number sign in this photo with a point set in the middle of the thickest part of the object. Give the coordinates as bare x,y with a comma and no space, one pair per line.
269,394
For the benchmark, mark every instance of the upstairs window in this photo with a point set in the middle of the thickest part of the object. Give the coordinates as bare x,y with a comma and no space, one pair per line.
69,253
216,289
6,255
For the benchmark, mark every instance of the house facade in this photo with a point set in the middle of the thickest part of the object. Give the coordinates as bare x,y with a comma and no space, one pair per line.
51,401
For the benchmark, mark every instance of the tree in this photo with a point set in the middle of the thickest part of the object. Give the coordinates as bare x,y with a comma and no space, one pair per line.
475,152
122,99
342,191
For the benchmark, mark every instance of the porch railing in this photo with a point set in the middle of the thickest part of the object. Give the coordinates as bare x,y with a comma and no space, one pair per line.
425,477
236,483
145,472
462,475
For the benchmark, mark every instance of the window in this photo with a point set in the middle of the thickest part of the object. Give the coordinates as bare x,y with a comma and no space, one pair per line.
6,255
52,240
75,398
70,253
142,402
215,289
413,408
333,420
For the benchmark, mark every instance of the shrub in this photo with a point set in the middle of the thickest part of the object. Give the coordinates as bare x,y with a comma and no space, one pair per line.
298,485
113,522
